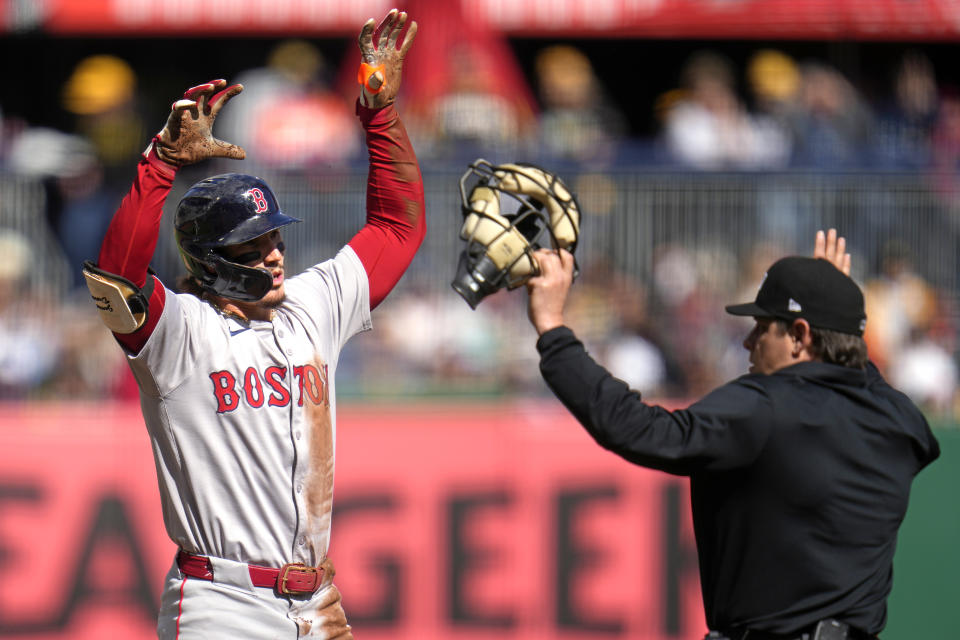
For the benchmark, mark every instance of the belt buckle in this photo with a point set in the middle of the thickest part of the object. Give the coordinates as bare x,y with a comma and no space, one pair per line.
285,575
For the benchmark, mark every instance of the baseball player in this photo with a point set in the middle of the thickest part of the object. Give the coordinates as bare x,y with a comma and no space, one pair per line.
800,471
237,376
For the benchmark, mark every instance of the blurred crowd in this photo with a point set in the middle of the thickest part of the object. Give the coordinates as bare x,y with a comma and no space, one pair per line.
809,115
666,335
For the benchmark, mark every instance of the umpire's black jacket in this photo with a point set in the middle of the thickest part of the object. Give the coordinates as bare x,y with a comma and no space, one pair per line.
799,481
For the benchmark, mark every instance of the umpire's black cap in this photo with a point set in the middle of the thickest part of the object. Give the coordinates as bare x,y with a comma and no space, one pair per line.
808,288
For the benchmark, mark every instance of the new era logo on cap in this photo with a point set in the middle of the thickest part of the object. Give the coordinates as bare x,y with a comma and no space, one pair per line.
808,288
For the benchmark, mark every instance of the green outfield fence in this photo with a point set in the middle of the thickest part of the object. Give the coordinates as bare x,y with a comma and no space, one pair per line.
925,590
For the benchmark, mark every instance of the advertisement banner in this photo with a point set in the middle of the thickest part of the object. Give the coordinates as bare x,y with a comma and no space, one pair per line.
450,521
741,19
806,19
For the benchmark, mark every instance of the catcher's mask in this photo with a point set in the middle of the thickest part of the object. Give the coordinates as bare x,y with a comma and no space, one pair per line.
510,211
224,210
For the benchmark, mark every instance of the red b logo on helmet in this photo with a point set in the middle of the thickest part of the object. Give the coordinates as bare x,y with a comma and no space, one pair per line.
258,200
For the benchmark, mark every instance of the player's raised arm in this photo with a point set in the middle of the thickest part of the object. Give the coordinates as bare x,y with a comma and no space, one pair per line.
395,205
131,306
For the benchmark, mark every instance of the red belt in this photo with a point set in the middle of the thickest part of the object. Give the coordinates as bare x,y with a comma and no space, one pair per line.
292,577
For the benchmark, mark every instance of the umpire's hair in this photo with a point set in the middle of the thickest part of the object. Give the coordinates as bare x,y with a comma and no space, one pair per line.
834,347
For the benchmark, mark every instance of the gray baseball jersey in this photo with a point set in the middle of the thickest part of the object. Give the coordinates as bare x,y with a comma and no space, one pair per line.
244,412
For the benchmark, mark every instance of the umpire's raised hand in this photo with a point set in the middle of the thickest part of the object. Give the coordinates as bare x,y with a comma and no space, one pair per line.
382,62
547,291
833,248
187,136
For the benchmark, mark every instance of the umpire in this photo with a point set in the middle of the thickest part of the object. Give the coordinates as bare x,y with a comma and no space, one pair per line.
800,471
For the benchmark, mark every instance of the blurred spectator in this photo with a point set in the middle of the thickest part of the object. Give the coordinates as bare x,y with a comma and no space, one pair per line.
636,360
288,117
708,127
469,97
85,171
832,127
79,203
905,127
29,339
925,370
11,126
946,149
101,93
89,365
471,118
634,351
441,345
438,335
899,303
578,121
774,82
612,308
687,284
40,152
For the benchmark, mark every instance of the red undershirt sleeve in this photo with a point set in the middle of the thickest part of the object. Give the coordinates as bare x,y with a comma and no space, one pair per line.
132,236
396,224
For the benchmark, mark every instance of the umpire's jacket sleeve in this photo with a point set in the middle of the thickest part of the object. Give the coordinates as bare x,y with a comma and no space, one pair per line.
726,429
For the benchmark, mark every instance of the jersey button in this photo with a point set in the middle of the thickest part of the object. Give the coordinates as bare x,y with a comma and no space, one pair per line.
296,434
289,352
299,488
302,541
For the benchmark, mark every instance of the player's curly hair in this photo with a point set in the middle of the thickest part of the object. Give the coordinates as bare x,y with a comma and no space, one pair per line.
834,347
186,283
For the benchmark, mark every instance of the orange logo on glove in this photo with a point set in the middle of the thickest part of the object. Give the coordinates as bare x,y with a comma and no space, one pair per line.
366,73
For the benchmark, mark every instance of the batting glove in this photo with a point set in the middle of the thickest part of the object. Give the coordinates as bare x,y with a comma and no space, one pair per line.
187,136
382,63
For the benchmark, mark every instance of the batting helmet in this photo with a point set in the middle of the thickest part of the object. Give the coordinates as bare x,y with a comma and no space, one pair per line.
224,210
510,211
